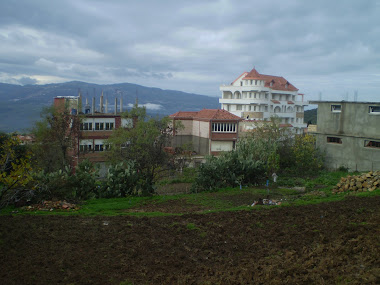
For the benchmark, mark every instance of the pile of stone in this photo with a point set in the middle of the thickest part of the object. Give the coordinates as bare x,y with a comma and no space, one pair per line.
359,183
51,206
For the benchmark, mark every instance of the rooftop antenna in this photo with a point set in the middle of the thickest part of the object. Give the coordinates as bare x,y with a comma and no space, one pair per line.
356,96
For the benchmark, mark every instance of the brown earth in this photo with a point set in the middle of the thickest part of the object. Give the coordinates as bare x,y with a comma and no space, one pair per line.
328,243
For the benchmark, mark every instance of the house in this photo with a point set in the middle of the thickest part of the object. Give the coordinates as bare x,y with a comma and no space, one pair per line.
255,96
208,131
349,134
95,127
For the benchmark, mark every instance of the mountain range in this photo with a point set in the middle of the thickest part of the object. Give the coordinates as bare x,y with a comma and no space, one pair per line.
21,105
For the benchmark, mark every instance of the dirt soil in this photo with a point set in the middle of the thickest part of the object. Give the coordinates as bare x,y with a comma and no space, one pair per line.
328,243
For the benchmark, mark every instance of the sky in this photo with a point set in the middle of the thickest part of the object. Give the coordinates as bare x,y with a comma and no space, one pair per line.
330,50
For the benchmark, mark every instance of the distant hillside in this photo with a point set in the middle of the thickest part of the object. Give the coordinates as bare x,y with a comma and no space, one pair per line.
311,115
21,105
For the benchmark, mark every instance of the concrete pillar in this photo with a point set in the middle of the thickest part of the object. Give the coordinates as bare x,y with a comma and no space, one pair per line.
115,105
93,105
121,104
101,103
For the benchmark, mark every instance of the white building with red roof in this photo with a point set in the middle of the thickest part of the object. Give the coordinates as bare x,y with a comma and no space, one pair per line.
209,131
255,96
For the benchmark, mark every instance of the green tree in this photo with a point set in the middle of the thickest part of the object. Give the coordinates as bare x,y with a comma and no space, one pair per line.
265,143
15,168
308,158
55,137
144,145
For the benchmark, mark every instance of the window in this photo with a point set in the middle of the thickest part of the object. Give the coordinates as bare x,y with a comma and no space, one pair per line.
266,108
86,127
85,148
238,107
336,108
334,140
99,147
374,110
251,82
224,127
109,126
241,83
372,144
99,126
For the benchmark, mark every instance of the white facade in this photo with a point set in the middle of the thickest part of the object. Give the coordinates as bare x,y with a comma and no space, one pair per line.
253,96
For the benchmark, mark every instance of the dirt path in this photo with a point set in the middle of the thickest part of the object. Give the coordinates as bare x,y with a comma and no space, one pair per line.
328,243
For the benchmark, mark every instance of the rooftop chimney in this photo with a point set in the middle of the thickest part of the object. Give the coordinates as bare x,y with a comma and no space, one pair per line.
115,105
106,105
121,104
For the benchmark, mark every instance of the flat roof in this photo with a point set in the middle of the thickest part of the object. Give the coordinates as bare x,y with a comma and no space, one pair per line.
352,102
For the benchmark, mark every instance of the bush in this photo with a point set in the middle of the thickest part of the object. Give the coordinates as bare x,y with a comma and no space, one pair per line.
229,170
122,180
53,185
83,183
66,185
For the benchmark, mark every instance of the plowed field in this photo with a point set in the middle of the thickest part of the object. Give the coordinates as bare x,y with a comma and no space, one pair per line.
328,243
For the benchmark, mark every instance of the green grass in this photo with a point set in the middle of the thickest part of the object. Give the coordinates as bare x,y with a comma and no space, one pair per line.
211,201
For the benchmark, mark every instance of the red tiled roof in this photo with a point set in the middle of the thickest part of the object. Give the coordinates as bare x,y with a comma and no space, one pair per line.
279,83
253,74
290,102
207,114
216,114
180,114
276,101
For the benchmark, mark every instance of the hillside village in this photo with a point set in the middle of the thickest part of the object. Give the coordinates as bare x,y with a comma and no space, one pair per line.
251,99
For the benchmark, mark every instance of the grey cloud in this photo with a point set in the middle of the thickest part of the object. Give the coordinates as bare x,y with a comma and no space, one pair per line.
27,81
191,47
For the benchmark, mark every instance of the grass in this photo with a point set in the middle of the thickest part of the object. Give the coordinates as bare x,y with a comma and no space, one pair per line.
211,201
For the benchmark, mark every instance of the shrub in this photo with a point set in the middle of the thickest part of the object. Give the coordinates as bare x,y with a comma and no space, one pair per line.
83,183
122,179
229,170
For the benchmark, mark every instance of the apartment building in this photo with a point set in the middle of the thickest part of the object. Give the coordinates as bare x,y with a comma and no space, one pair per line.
255,96
349,134
209,131
96,126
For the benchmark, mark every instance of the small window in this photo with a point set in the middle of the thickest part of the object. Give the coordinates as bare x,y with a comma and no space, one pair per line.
99,147
99,126
86,127
334,140
336,108
238,107
109,126
374,110
85,148
241,83
372,144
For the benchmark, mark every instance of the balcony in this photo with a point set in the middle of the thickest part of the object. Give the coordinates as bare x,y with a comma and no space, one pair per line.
243,101
243,88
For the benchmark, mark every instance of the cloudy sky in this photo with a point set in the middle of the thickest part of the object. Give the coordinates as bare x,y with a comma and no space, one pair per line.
327,49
